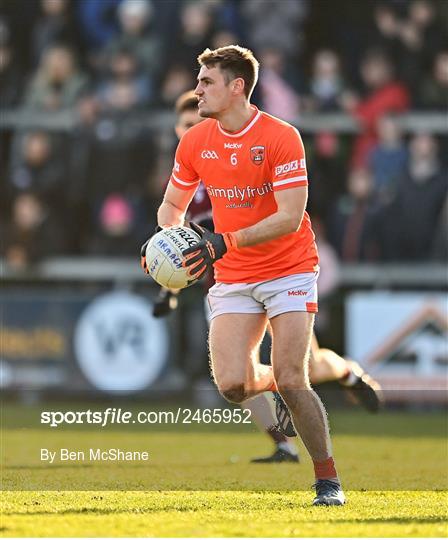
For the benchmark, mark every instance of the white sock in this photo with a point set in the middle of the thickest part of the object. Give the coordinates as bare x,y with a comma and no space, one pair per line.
350,380
287,447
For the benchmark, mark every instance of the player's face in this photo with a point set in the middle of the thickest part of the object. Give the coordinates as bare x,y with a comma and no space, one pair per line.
186,120
214,94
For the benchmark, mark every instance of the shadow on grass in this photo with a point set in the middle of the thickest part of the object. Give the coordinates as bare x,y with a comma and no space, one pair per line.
185,508
394,520
44,467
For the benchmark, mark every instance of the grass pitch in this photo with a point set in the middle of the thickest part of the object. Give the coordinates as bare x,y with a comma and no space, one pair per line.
200,482
211,513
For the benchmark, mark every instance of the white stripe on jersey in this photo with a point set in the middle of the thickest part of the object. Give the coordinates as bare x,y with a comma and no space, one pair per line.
289,180
185,183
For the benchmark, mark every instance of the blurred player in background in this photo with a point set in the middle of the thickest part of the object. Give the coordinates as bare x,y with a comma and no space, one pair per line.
324,366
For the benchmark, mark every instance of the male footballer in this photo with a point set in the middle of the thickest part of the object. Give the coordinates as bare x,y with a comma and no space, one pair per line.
263,251
324,365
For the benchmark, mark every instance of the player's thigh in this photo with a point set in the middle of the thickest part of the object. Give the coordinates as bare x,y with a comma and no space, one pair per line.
234,339
291,336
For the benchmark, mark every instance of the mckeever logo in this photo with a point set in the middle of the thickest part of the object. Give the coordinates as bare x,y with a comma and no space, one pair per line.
233,145
297,293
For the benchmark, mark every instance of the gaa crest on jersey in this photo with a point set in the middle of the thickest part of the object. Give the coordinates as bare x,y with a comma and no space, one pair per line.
257,154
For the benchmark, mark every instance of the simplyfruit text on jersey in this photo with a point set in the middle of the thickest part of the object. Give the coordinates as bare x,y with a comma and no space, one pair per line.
241,172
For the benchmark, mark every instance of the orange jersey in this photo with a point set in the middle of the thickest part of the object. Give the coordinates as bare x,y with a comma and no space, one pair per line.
241,172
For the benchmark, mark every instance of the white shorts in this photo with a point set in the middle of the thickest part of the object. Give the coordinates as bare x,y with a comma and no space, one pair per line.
291,293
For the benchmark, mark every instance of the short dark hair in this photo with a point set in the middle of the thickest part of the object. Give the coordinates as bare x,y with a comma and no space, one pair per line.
187,101
234,61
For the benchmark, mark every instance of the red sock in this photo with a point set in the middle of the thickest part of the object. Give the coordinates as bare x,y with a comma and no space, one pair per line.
325,469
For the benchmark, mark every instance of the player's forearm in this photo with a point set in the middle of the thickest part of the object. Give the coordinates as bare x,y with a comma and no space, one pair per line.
274,226
170,215
174,206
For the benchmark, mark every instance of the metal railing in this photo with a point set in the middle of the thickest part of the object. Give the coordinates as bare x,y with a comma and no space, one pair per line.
162,121
125,269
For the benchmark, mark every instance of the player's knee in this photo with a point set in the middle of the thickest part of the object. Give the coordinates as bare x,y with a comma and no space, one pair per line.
291,380
234,393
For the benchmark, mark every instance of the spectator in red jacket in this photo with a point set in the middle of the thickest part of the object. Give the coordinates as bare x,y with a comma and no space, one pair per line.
384,95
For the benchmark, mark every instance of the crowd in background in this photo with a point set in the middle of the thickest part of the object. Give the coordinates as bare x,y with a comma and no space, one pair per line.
380,195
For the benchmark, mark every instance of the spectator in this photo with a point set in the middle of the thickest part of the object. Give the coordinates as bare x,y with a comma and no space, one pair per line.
386,27
117,231
384,95
57,84
228,18
112,150
278,91
326,161
33,233
121,157
98,23
327,85
137,36
10,74
125,86
387,35
413,49
19,17
119,151
430,33
278,24
388,158
433,93
351,229
40,170
178,79
223,38
193,36
410,222
54,26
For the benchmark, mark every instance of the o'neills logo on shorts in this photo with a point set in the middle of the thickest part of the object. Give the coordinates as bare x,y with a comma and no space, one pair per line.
297,293
235,192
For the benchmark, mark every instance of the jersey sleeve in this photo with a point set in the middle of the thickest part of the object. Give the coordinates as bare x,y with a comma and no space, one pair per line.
288,163
183,175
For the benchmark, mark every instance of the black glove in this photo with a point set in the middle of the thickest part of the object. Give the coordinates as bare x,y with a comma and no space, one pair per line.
204,254
165,302
143,251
